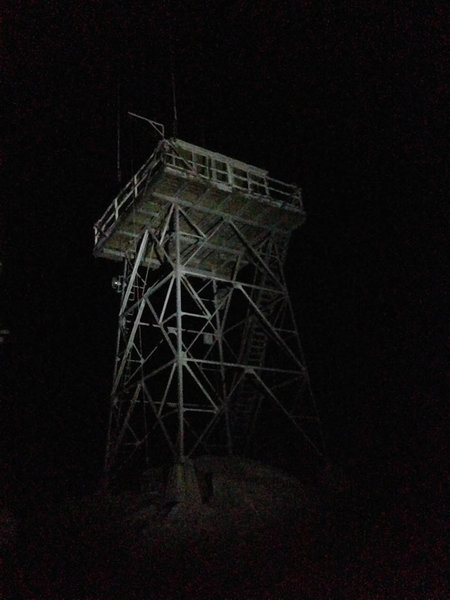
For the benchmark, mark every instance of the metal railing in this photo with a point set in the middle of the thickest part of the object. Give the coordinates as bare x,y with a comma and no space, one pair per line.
223,172
129,193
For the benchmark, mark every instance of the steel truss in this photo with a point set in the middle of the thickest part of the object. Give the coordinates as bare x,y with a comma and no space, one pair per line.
191,347
207,341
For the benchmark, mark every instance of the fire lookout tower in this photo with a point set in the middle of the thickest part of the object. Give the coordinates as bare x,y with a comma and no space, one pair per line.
207,342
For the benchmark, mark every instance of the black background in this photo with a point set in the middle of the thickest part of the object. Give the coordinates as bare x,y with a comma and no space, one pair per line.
347,100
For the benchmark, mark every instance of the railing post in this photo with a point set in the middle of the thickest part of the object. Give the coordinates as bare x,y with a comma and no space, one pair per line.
230,172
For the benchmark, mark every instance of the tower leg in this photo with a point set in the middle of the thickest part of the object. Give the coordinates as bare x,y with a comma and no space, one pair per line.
182,485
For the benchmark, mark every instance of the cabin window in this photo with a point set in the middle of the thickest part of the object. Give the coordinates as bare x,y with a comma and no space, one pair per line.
240,178
219,171
183,159
258,184
202,164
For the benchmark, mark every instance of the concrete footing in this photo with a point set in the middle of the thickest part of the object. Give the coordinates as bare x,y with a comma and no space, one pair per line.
182,485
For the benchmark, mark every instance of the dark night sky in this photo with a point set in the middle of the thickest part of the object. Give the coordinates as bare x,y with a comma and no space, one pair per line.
348,102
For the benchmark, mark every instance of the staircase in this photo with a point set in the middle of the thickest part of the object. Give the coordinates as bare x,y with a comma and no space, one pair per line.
245,407
132,361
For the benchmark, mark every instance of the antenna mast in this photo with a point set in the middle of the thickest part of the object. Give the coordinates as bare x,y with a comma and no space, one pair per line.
172,71
174,101
119,171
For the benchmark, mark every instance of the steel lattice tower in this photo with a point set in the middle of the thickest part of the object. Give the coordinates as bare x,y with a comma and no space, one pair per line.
207,337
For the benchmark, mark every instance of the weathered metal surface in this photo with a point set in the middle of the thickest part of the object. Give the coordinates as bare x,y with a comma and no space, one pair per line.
210,187
207,334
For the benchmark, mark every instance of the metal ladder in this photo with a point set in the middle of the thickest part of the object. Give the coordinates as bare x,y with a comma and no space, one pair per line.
131,363
246,405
